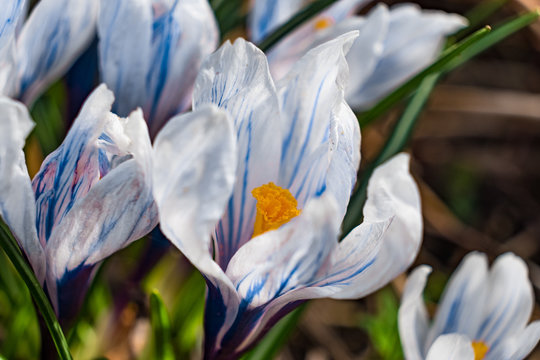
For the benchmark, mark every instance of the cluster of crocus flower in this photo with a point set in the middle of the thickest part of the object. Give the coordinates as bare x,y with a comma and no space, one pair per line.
251,184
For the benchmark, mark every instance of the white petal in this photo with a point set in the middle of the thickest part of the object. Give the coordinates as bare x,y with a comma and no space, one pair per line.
267,15
413,41
194,167
184,34
115,210
509,302
462,306
518,345
311,99
413,317
279,261
451,347
11,18
125,35
55,34
237,79
17,207
392,194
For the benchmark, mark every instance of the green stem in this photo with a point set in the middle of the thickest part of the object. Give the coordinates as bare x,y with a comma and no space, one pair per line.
12,250
303,15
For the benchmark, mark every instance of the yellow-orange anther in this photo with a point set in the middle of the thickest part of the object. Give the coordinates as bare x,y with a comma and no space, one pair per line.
480,349
275,207
323,23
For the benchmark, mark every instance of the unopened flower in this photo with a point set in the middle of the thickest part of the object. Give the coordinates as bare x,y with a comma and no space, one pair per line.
150,52
91,197
483,314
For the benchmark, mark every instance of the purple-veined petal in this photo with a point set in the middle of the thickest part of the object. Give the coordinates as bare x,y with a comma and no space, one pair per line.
194,169
54,35
451,347
267,15
311,98
11,18
413,40
461,308
108,182
509,300
517,346
393,209
413,317
184,33
236,78
17,207
274,264
279,261
125,33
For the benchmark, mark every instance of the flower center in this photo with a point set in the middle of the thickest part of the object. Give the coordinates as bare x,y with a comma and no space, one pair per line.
480,349
323,23
275,207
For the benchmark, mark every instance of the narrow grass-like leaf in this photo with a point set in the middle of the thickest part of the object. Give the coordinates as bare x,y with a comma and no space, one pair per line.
477,15
395,143
271,344
408,87
499,33
303,15
13,252
161,328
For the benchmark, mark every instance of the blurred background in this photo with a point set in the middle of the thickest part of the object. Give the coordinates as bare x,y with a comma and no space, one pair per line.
475,157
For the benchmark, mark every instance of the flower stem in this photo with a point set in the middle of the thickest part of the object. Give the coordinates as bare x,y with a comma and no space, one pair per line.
12,250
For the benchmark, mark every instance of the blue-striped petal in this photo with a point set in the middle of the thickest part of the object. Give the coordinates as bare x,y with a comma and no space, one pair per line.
17,207
313,113
236,78
267,15
192,193
93,194
54,35
184,33
11,17
413,317
413,40
125,35
461,308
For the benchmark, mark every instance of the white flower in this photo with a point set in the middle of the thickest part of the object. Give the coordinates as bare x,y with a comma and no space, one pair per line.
276,240
483,313
394,44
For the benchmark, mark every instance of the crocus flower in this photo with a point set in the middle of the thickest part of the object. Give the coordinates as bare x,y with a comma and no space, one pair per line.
483,313
150,52
394,44
91,197
276,240
36,53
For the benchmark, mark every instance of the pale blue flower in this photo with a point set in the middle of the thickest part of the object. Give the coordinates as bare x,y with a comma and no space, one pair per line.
36,52
298,151
150,52
482,315
91,197
394,44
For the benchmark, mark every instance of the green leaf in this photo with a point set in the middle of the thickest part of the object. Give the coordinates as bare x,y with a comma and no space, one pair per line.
9,244
303,15
499,33
272,343
382,327
161,328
